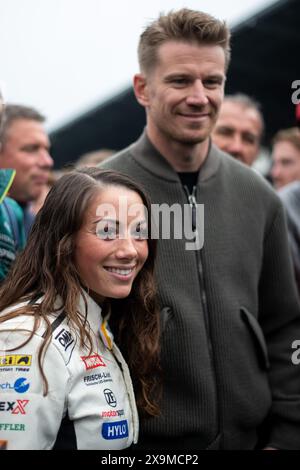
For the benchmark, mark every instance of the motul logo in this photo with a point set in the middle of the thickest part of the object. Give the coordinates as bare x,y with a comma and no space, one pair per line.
92,362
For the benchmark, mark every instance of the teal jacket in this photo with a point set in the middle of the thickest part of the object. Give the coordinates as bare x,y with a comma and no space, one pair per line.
12,237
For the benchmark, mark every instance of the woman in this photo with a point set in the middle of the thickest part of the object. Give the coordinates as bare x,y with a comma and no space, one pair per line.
64,381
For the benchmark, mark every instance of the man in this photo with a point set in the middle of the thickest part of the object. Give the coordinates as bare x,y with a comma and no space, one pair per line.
25,147
286,157
229,311
290,196
239,128
12,237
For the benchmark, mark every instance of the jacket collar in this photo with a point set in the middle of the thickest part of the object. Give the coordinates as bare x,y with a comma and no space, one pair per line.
6,179
96,320
149,157
94,311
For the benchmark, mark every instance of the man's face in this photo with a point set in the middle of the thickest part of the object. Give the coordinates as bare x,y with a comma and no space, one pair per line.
286,164
238,131
183,92
26,149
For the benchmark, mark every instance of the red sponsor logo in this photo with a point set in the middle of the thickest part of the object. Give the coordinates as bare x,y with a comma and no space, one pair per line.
20,407
112,413
92,362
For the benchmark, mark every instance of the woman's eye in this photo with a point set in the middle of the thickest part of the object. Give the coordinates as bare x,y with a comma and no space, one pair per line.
106,232
140,232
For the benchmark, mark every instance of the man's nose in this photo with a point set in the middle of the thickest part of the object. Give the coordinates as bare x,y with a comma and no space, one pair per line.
236,145
45,159
275,171
197,94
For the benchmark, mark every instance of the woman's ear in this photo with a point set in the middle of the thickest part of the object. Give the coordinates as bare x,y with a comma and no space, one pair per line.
141,90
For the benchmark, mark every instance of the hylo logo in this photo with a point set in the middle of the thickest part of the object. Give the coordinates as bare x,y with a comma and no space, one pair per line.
117,430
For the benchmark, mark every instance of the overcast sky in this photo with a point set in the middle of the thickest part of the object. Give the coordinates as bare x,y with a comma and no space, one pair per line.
66,56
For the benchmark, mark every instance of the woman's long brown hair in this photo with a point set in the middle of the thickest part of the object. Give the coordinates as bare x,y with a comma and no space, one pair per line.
46,267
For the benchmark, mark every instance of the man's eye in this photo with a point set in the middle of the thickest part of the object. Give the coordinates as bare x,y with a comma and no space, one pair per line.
180,81
211,84
250,139
177,81
30,148
224,131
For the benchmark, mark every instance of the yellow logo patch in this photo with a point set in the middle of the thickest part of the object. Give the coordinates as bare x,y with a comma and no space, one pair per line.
15,360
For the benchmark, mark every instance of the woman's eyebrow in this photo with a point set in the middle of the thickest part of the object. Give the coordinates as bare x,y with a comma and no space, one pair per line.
99,219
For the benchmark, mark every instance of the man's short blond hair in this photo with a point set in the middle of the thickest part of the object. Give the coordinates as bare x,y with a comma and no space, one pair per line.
291,135
186,26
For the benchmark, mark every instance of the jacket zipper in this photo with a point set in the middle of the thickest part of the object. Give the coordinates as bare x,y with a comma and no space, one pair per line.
193,204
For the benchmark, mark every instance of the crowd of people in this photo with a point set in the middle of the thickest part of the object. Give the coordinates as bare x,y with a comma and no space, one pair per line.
115,333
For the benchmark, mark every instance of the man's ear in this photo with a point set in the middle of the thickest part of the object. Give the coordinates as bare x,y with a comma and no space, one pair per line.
141,90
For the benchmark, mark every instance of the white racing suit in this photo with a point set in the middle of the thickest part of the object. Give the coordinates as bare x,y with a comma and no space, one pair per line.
90,402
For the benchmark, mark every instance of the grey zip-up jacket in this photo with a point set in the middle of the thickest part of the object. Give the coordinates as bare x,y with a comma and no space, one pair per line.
229,311
90,403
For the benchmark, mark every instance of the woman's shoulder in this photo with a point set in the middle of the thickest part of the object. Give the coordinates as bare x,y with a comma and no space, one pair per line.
25,321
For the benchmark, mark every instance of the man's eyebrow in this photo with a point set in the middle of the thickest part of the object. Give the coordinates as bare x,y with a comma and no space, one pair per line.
224,127
215,76
173,75
30,145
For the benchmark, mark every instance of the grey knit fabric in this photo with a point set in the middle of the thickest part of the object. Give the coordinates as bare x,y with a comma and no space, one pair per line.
229,311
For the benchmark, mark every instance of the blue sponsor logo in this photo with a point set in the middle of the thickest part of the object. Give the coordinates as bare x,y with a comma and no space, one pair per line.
20,385
116,430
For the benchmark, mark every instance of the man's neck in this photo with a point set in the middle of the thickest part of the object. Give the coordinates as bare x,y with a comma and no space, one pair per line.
182,157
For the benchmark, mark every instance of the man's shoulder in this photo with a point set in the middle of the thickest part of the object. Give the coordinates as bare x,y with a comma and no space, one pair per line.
243,176
14,206
119,161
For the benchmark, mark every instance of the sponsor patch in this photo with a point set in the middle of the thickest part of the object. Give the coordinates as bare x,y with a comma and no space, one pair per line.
64,338
20,385
116,430
12,427
92,362
15,360
14,407
112,413
110,397
96,379
67,342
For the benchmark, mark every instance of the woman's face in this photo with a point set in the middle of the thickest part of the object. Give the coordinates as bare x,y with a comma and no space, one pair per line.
111,247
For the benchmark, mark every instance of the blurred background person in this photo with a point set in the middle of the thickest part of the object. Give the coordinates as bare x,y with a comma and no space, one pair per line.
290,196
54,175
93,158
12,237
25,148
239,128
286,157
